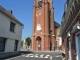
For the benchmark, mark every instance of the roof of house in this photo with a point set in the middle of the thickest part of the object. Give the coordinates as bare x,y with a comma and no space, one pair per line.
3,10
56,24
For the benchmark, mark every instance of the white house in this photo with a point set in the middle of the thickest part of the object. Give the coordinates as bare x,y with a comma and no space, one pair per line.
10,31
24,44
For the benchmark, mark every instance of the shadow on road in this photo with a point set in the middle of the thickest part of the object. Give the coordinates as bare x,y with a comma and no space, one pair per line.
26,52
20,53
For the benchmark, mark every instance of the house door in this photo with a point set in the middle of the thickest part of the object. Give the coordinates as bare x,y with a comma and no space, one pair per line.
77,40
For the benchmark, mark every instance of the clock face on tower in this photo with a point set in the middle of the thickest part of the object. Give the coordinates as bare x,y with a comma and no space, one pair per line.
40,4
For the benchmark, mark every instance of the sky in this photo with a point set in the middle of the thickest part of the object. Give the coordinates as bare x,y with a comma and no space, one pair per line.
23,11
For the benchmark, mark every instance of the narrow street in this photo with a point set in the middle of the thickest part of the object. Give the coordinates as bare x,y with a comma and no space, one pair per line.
37,56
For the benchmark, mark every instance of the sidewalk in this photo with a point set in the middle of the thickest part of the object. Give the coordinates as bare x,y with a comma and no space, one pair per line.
23,49
49,51
40,51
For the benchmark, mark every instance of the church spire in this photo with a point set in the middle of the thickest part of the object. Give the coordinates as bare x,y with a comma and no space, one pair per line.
42,23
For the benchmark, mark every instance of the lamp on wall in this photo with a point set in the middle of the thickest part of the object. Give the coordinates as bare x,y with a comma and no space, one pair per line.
68,34
78,26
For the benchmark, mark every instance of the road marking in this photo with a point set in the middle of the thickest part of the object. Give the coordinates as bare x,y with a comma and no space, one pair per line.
45,57
27,56
58,56
36,56
31,56
50,57
41,57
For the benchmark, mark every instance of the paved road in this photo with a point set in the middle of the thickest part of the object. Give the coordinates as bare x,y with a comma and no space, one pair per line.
38,56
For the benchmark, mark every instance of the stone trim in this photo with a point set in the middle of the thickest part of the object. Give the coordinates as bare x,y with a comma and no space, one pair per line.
45,34
53,35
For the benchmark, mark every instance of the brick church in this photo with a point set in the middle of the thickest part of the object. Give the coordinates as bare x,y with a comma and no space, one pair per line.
44,26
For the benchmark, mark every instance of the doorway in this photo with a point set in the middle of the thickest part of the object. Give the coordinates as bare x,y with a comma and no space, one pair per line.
77,40
70,53
39,43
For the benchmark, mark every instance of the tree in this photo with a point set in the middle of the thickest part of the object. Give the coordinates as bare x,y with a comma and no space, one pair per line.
28,41
21,43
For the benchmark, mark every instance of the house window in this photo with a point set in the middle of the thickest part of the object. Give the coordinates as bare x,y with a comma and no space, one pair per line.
2,44
15,45
12,26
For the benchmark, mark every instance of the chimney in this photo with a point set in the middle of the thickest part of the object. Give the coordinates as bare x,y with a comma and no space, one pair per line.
10,11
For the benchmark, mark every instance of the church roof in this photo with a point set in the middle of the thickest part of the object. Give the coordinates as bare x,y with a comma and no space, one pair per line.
56,24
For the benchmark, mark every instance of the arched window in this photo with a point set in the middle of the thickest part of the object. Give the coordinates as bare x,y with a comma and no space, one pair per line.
40,4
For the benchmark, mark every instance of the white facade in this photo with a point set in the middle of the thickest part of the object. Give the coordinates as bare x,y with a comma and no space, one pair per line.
24,44
59,40
10,36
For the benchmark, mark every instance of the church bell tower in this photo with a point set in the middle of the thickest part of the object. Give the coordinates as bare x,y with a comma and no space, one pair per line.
43,36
